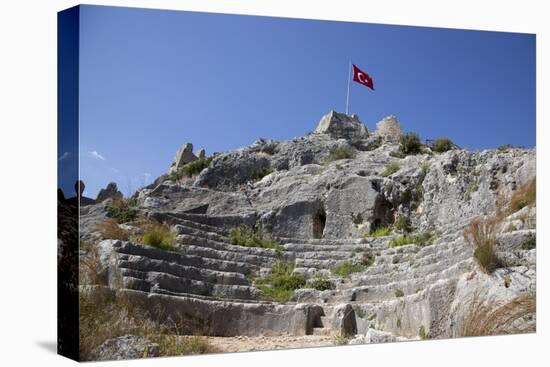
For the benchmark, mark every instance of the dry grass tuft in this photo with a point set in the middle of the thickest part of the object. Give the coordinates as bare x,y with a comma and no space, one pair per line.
110,229
104,315
159,235
497,318
91,270
523,196
481,234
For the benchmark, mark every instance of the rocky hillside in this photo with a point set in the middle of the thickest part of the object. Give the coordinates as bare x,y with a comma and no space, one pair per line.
364,236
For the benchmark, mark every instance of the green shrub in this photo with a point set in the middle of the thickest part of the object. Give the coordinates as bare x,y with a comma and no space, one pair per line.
346,268
399,293
391,169
442,145
343,152
410,144
403,224
401,241
322,284
379,232
244,236
263,172
280,284
423,239
122,210
191,169
194,168
160,236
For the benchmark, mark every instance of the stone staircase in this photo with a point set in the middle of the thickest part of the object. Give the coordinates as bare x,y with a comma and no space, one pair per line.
396,294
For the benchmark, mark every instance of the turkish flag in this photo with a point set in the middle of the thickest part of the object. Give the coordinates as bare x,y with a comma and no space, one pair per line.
361,77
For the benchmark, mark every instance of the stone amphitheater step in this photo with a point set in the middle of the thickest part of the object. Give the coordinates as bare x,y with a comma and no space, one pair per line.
388,290
185,229
253,260
321,241
182,219
263,254
217,223
146,281
142,263
181,258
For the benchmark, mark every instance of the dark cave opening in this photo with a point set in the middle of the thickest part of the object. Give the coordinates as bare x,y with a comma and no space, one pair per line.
319,221
383,214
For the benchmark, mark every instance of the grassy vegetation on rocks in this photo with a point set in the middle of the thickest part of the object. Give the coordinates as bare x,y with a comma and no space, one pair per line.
410,144
321,284
280,285
122,210
403,224
442,145
247,237
346,268
263,172
378,232
391,169
343,152
422,239
160,236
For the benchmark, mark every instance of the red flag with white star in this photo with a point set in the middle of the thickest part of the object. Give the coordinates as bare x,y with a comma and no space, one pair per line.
361,77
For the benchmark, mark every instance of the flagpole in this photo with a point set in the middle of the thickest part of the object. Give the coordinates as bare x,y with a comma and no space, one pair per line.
347,96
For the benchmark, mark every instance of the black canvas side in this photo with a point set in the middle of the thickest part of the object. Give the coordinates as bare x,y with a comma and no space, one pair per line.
68,186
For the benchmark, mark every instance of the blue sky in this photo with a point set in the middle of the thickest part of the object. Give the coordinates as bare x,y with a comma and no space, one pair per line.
152,80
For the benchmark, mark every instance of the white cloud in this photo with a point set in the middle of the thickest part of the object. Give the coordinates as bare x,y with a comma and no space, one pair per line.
64,156
96,155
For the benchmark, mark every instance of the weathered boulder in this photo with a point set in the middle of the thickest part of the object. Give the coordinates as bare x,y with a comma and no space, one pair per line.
389,130
109,192
183,156
125,347
170,197
339,125
230,170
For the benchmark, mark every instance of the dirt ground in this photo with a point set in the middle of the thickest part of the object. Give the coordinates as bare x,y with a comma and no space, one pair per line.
257,343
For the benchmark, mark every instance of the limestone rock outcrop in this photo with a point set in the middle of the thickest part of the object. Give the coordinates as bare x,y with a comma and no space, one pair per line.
109,192
322,208
183,156
339,125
